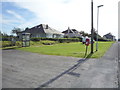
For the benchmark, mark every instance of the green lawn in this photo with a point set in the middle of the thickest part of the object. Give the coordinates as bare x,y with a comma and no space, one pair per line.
69,49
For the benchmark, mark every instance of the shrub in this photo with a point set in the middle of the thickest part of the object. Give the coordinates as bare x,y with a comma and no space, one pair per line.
6,43
48,42
61,40
35,43
67,40
18,43
102,39
35,39
42,42
9,43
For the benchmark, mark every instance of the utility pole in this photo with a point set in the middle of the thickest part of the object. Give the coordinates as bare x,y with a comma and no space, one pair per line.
92,35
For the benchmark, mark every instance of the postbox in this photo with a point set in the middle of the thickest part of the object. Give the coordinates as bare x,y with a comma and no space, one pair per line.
87,42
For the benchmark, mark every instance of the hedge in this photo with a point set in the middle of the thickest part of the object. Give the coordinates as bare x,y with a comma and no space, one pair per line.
18,43
102,39
48,42
60,40
9,43
5,43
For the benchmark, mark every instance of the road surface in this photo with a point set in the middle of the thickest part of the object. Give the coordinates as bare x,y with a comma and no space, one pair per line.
30,70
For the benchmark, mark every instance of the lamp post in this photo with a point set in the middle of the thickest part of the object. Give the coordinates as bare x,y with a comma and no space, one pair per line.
97,25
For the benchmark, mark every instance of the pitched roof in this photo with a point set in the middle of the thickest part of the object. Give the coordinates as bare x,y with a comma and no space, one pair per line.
70,31
48,29
42,28
109,34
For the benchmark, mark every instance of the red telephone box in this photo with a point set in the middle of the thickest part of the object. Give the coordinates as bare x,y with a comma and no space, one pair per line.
87,42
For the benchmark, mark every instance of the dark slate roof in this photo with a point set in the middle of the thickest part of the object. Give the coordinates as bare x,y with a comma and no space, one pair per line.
70,31
42,28
109,34
66,31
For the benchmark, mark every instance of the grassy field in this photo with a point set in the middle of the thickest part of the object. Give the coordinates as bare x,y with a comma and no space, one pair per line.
69,49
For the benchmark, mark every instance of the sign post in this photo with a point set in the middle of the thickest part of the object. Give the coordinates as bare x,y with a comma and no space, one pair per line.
87,44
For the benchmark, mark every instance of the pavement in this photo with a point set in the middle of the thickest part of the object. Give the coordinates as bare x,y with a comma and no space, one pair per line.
118,64
31,70
0,69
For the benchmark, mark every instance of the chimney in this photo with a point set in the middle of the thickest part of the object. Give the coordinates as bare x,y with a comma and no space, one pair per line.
47,26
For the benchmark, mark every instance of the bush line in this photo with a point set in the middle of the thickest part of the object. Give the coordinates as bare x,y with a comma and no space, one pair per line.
60,40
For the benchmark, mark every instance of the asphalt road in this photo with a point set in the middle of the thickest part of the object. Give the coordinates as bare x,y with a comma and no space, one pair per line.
30,70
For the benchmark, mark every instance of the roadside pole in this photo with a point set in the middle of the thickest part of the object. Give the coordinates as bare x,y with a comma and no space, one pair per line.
87,42
97,25
92,35
86,50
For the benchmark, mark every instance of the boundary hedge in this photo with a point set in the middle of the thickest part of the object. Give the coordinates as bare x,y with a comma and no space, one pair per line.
60,40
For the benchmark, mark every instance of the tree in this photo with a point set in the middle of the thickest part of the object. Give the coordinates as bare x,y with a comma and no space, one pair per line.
26,28
16,31
84,33
89,35
95,35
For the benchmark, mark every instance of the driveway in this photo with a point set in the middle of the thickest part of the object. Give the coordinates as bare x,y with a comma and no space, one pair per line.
30,70
24,69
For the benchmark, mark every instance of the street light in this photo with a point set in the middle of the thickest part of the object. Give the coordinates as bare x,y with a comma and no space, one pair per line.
97,25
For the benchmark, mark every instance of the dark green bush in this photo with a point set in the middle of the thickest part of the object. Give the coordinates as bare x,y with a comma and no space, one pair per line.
67,40
35,39
35,43
6,43
102,39
48,42
60,40
18,43
9,43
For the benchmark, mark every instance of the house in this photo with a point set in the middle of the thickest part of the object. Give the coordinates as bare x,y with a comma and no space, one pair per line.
71,33
43,30
109,36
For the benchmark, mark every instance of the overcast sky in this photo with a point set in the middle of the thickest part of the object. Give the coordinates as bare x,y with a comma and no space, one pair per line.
59,14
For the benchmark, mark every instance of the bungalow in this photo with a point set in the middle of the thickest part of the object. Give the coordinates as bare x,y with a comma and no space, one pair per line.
109,36
71,33
43,30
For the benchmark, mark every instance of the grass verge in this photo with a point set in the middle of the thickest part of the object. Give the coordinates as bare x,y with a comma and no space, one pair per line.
69,49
